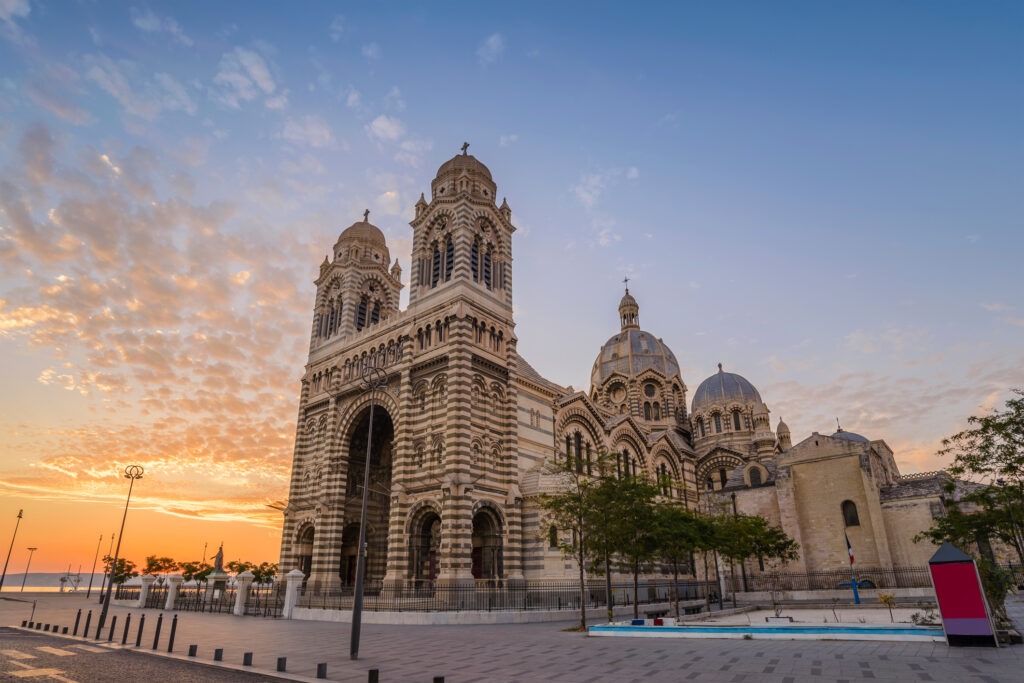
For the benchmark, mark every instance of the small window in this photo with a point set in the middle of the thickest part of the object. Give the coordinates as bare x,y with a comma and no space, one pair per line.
718,423
647,411
723,475
850,517
736,420
755,477
710,484
700,426
552,536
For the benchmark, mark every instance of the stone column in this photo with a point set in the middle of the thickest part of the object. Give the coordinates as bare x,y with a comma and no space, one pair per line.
242,582
147,583
292,585
173,584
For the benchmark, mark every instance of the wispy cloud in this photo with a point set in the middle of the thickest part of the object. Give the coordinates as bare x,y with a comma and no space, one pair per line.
146,20
308,130
386,128
506,140
371,51
242,76
138,95
491,49
337,28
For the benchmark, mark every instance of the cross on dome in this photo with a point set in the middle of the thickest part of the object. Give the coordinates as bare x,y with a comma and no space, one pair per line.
366,216
465,146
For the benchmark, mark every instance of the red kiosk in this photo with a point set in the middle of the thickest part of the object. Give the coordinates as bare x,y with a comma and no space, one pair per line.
966,618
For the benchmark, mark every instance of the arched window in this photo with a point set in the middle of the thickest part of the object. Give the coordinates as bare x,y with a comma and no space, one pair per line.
647,410
361,314
700,426
375,314
710,484
449,259
850,516
718,423
474,260
736,420
657,410
578,451
755,477
435,273
589,464
722,475
552,536
663,476
487,268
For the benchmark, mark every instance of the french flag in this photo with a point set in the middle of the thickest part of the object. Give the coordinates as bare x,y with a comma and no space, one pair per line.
849,548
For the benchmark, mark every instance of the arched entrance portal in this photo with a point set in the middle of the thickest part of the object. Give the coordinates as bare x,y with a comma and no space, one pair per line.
305,550
378,506
487,557
424,547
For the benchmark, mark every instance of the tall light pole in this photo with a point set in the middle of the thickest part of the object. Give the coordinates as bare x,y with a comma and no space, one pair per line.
27,565
373,379
131,473
9,550
93,572
106,565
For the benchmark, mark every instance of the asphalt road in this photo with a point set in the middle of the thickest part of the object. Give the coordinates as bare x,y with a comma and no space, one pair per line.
30,656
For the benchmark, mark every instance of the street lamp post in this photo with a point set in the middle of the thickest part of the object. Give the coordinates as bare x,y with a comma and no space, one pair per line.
131,473
106,565
372,379
27,565
9,550
93,572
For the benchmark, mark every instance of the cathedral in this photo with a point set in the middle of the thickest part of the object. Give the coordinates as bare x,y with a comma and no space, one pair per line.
464,430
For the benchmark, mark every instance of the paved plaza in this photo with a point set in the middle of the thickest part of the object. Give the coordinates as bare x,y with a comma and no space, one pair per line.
534,652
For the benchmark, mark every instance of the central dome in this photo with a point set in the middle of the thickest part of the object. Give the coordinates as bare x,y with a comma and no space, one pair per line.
629,353
464,162
364,230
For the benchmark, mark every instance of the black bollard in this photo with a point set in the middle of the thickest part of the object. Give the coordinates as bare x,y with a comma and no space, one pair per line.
127,623
142,623
218,654
247,659
438,679
192,650
78,617
110,634
156,636
85,631
64,631
31,624
174,628
39,626
321,670
374,676
24,622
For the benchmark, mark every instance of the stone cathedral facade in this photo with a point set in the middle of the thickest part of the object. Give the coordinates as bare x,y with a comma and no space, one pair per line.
465,428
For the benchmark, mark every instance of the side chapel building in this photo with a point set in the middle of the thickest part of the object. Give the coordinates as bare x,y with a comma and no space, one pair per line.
464,426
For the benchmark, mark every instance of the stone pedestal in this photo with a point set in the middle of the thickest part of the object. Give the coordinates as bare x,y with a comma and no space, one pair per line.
293,584
173,584
243,582
147,582
216,583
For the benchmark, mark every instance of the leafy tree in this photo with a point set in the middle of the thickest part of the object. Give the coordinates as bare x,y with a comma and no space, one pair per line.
195,571
265,572
238,566
626,506
679,532
741,537
124,570
570,511
159,565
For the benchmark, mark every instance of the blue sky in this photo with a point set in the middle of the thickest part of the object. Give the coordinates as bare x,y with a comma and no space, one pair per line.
825,197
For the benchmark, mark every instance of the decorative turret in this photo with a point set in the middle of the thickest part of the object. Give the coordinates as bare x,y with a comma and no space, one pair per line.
764,440
782,432
629,311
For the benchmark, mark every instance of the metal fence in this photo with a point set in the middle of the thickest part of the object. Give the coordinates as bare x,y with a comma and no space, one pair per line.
867,577
490,596
266,600
122,592
196,598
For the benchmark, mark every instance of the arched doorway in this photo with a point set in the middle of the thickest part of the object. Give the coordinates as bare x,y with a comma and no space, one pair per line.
424,547
378,507
304,552
487,552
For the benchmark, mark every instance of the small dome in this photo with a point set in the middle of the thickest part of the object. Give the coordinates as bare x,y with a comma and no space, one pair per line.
850,436
364,230
724,387
783,428
464,162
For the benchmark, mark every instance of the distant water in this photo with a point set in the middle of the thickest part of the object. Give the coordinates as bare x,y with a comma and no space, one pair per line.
48,582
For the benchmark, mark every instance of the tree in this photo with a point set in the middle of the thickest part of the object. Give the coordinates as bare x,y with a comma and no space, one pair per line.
741,537
159,565
678,531
195,571
265,572
625,506
124,570
570,511
238,566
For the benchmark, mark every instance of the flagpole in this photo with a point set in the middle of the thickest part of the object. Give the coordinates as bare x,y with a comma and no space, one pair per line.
853,576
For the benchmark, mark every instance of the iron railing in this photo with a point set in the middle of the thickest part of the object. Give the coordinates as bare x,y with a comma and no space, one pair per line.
867,577
522,596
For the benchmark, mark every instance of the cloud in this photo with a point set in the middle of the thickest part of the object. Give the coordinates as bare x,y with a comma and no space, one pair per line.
997,307
386,128
371,51
490,49
138,96
279,101
506,140
242,76
308,130
337,28
147,21
411,152
352,98
593,184
14,9
52,90
632,173
393,100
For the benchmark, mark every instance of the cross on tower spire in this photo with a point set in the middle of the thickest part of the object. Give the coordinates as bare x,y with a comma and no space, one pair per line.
465,146
626,280
366,216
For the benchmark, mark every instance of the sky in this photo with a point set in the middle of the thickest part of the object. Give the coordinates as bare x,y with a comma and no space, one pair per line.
824,197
